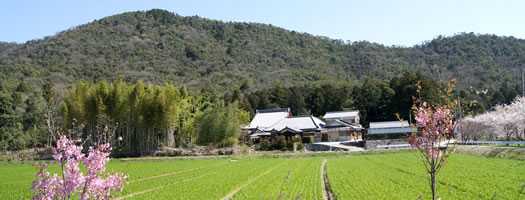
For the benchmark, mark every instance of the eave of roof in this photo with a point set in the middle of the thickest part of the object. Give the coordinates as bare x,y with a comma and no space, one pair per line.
341,114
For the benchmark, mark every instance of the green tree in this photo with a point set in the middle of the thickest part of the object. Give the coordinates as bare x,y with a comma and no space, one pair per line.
373,99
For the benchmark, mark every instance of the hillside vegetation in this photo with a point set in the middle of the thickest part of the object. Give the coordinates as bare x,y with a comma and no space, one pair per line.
160,46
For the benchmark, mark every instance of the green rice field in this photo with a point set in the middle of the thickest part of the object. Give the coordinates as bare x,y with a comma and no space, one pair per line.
351,176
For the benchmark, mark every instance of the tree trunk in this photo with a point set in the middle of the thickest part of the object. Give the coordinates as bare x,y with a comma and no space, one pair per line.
170,138
433,183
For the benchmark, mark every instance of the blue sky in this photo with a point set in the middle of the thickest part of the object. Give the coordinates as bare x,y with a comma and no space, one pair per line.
394,22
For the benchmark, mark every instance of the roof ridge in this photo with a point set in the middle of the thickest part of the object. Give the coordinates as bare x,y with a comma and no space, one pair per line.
298,116
313,121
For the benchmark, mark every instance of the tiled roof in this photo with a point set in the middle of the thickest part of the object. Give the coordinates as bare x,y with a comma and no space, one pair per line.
264,120
299,123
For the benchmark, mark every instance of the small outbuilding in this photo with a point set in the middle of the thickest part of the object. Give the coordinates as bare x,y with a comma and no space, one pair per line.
389,134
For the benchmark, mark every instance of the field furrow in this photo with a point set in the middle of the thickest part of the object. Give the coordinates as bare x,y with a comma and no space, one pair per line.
355,176
297,179
402,176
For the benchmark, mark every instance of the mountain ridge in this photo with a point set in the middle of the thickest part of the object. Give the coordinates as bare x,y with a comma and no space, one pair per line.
158,46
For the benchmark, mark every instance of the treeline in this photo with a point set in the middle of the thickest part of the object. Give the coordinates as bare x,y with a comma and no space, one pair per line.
22,110
377,100
137,117
143,116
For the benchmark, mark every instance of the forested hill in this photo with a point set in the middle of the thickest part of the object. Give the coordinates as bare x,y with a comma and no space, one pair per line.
160,46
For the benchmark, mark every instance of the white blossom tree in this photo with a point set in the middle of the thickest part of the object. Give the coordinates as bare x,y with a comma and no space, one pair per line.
505,121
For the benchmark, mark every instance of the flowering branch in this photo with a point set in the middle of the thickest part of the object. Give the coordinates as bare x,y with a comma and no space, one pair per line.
89,186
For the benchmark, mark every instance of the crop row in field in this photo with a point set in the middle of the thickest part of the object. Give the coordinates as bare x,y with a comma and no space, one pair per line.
296,179
204,182
402,176
375,176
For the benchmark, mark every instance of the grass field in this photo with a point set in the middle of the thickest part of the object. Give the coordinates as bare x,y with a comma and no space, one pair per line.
366,176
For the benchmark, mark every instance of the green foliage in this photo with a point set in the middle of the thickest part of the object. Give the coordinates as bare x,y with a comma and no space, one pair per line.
309,98
405,89
373,100
220,125
162,112
21,108
159,46
377,100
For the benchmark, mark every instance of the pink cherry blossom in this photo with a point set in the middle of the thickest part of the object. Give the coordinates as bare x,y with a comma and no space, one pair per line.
97,158
66,150
45,186
73,182
73,178
436,129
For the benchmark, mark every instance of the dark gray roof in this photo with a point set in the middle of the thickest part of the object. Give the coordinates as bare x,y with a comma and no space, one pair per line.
391,127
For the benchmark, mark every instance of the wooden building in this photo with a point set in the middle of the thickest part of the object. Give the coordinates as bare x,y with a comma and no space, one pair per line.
262,123
270,123
341,126
304,127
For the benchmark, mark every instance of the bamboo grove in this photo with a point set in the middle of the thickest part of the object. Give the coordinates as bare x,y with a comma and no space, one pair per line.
138,118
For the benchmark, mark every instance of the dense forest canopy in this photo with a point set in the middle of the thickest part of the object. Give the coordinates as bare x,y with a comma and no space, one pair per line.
243,66
158,46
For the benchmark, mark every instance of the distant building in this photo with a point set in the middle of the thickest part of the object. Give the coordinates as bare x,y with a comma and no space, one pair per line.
341,126
265,119
389,134
261,125
303,127
269,123
349,117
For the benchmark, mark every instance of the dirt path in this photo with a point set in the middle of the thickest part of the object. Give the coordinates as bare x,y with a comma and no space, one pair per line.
237,189
325,183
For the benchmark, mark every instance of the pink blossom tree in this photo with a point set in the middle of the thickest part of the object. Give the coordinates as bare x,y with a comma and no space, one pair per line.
436,129
72,182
